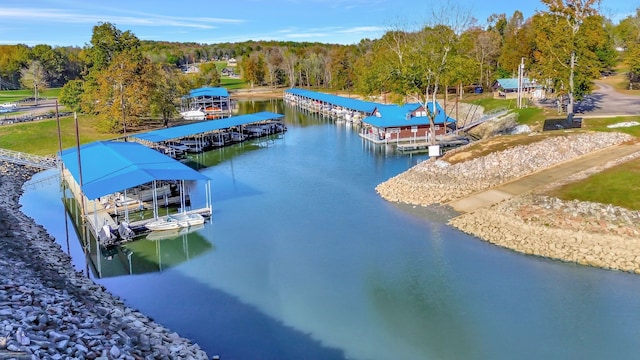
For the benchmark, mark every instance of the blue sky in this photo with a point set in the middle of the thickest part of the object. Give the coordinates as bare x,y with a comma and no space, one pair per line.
70,22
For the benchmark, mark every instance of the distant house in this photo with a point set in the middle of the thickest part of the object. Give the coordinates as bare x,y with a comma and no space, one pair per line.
232,62
191,69
508,89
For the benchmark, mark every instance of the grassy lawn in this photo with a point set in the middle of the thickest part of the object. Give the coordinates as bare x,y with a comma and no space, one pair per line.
490,103
528,116
601,125
9,96
619,186
232,83
41,137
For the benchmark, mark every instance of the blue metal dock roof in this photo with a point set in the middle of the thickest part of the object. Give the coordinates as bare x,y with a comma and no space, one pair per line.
399,116
111,166
203,127
353,104
209,91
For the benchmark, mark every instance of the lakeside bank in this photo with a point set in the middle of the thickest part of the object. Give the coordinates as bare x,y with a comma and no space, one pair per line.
593,234
49,310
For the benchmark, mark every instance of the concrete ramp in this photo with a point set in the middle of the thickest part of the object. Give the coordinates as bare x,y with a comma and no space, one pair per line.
479,200
544,177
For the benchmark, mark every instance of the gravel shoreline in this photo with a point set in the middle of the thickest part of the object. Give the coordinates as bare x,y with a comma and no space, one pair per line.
586,233
50,311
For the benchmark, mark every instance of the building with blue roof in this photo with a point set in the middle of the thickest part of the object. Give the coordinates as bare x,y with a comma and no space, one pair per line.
104,168
206,103
408,122
380,122
508,88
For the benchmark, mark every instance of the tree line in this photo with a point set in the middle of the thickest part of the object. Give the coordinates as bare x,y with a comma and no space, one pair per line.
122,80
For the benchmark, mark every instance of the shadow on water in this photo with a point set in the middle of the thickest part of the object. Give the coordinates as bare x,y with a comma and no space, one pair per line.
254,335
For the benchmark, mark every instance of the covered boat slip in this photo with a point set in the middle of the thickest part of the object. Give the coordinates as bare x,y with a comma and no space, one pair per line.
206,103
328,104
105,168
407,126
202,129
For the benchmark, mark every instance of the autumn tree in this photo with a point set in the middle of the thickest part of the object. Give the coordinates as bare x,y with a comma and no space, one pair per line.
253,69
341,68
515,45
13,58
483,46
289,63
274,64
428,58
125,89
34,77
209,74
566,19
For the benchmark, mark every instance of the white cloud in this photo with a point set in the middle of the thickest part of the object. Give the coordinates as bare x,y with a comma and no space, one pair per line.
61,16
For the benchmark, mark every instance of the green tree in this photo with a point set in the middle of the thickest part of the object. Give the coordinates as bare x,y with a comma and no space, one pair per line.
633,61
426,67
209,73
166,91
107,42
52,61
568,17
71,95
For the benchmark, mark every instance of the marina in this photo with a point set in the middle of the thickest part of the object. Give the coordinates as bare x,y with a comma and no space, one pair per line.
304,260
409,127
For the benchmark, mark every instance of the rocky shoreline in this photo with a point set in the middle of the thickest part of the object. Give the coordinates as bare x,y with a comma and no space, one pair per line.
592,234
50,311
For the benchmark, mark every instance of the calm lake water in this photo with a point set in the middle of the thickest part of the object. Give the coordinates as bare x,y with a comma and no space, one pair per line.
303,260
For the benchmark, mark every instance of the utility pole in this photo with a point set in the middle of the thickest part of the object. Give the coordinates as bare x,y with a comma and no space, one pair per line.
520,81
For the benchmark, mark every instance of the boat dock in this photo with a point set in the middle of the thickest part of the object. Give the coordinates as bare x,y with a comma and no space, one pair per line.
337,107
102,175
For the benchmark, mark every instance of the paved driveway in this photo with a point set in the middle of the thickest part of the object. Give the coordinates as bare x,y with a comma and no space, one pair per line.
605,100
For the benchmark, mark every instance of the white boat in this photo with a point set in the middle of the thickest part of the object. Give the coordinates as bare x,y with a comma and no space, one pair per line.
172,234
193,115
163,224
185,219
